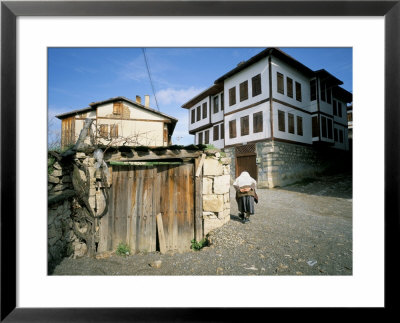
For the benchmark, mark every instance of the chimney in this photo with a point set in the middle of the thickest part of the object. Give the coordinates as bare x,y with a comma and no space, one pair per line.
147,101
138,99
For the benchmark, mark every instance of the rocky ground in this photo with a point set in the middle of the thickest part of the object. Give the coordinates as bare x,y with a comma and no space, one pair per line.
301,229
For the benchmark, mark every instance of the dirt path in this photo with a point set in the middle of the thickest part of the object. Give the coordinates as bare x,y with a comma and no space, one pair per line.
302,229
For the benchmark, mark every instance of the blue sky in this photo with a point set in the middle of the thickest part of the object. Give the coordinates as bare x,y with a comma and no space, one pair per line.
78,76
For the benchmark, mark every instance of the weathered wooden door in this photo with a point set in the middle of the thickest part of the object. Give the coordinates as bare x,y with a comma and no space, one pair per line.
138,194
246,160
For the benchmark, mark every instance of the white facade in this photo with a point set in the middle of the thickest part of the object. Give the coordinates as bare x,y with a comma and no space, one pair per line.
293,106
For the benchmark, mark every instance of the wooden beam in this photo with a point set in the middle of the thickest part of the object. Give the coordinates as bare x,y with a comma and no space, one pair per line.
198,200
161,236
200,166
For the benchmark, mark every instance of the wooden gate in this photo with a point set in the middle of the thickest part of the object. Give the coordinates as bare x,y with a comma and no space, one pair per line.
138,194
246,160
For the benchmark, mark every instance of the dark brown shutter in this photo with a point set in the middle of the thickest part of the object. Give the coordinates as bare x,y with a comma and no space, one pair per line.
216,108
200,138
315,127
281,120
204,110
207,137
222,101
313,90
198,113
335,133
256,85
114,131
330,128
329,95
289,86
222,131
334,108
257,122
244,91
291,123
232,96
216,133
279,77
104,130
339,107
244,126
323,129
298,91
299,126
323,91
193,116
232,129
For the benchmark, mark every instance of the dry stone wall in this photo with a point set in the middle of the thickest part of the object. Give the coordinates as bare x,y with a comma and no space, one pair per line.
216,184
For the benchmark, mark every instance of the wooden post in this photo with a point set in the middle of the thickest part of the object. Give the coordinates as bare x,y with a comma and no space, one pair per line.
161,236
198,200
200,165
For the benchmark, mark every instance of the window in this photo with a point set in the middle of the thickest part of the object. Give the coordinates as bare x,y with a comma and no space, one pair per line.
313,90
216,107
232,129
258,122
193,119
216,133
298,91
323,92
315,127
232,96
334,108
198,113
339,107
328,95
244,126
281,120
256,85
244,91
335,133
200,138
350,117
299,126
204,110
330,126
104,130
207,137
323,124
117,108
291,123
114,131
222,131
289,86
222,101
341,136
279,78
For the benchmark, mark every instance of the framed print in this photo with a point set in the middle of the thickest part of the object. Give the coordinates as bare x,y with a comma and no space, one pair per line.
371,28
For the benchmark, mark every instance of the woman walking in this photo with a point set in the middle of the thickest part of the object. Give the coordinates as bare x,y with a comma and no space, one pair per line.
245,187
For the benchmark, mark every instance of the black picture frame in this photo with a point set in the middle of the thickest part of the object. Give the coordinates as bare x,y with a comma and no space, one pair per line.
10,10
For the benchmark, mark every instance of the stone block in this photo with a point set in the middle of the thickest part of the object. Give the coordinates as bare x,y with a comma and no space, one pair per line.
80,155
209,215
57,165
212,167
213,203
226,197
227,169
66,179
207,185
225,161
53,179
222,184
57,172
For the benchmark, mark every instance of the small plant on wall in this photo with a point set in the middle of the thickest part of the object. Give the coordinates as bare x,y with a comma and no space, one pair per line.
123,250
199,245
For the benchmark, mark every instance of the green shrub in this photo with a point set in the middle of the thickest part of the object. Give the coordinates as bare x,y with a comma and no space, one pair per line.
123,250
199,245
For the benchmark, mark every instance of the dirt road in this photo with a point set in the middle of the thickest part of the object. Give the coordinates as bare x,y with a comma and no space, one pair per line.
302,229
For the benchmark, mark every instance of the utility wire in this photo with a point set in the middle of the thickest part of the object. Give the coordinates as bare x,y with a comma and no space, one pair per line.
148,72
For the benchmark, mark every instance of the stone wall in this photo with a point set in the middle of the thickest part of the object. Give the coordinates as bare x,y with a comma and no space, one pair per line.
216,184
281,164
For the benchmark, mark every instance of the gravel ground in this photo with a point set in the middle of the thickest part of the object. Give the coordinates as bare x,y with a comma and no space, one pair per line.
301,229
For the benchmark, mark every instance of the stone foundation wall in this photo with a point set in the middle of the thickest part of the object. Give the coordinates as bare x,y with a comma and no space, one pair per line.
216,184
281,164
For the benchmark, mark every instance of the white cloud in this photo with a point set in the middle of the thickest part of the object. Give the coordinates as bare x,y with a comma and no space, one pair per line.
181,96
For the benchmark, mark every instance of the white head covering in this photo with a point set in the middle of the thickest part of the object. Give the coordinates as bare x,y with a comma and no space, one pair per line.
244,179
